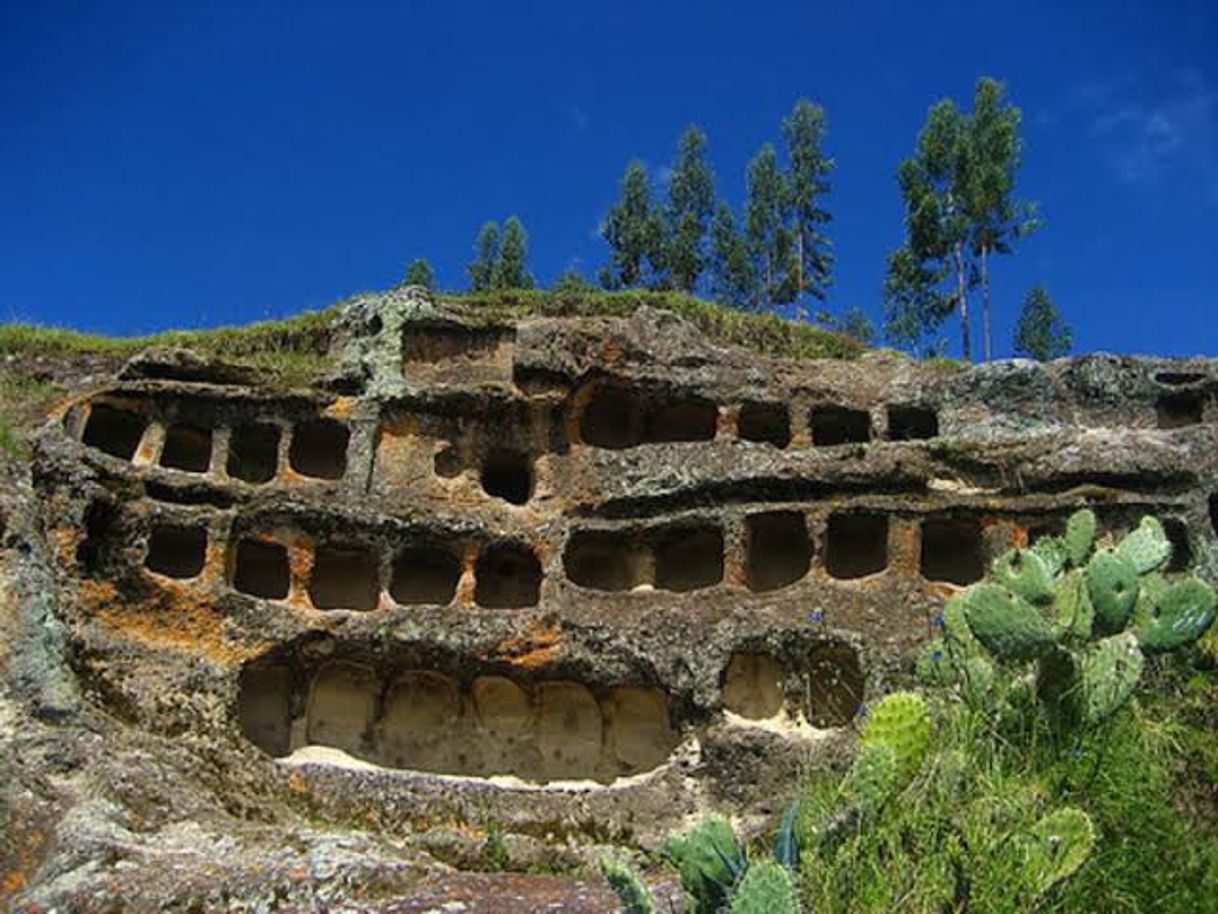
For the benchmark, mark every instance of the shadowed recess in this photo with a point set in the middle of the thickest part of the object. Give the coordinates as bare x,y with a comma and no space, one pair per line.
910,423
508,576
1176,410
260,569
769,423
319,449
779,549
176,552
688,558
187,447
508,474
839,425
115,431
253,453
344,577
602,560
951,550
856,545
425,574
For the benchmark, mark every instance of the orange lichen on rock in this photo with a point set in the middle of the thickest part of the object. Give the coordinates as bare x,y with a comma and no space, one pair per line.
175,618
539,646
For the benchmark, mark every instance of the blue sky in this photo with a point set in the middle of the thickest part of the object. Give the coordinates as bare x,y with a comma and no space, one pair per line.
172,164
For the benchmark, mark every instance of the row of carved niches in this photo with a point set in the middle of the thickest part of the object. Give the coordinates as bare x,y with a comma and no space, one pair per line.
254,452
362,575
428,721
536,729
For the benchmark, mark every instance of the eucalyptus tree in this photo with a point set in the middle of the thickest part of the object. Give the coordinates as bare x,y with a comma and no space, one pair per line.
634,231
769,239
733,279
807,182
1041,332
691,201
486,256
511,269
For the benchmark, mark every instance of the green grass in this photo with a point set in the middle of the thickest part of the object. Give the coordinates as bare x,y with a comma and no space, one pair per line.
764,333
292,350
23,403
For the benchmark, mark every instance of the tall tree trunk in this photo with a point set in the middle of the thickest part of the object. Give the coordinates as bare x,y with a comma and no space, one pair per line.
799,276
966,345
985,302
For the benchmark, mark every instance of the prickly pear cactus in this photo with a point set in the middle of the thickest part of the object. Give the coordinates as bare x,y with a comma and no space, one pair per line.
1053,552
1112,584
1080,536
1086,616
1072,607
710,861
1055,848
767,888
1025,574
628,885
1108,672
900,720
1006,624
1182,613
1146,547
873,778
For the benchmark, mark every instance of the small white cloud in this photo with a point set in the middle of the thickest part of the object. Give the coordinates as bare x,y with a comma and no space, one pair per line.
1173,130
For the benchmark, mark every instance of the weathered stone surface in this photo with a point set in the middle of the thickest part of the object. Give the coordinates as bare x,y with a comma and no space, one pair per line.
566,582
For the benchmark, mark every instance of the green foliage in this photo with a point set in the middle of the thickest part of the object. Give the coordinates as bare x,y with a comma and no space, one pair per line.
511,269
733,279
767,888
710,861
572,282
625,881
1041,332
1051,851
420,273
770,243
634,231
691,200
482,269
807,184
959,210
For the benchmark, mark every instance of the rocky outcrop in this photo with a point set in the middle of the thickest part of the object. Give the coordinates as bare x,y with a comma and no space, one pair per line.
497,589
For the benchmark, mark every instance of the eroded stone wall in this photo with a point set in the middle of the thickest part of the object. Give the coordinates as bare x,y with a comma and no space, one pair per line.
594,557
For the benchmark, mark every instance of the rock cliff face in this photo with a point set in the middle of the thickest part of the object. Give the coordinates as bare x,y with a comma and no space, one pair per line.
569,580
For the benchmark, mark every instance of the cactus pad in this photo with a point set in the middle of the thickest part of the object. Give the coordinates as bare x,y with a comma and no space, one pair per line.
1108,673
901,720
1056,847
1025,574
1146,547
767,888
1007,625
1182,613
873,777
1080,536
1052,551
1112,584
1072,607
